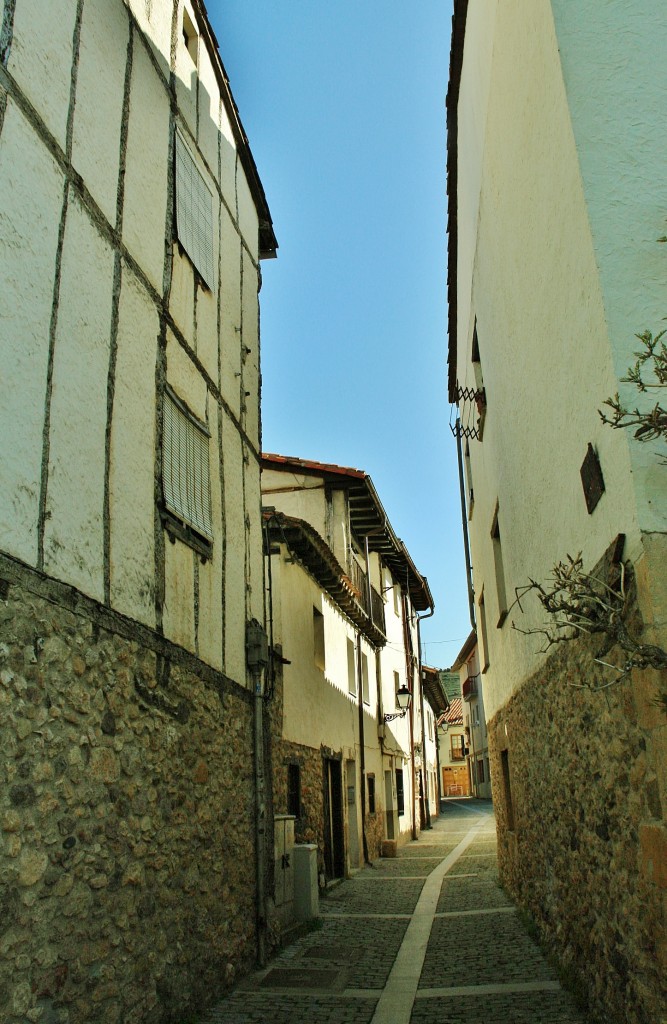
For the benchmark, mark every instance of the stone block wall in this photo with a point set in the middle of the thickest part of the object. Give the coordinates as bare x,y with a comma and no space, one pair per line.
309,826
375,833
578,799
127,870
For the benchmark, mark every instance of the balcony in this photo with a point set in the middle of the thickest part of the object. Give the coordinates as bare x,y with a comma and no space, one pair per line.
376,610
470,688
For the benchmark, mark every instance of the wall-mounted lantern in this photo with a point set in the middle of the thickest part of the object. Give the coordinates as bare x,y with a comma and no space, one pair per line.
403,698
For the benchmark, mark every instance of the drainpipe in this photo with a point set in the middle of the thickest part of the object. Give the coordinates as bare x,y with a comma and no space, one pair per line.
257,659
362,750
410,680
421,692
464,525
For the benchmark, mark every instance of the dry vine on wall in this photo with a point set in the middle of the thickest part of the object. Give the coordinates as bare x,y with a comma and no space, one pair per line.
579,603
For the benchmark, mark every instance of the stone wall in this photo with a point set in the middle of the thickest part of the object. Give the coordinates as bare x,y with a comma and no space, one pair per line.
128,866
375,833
309,826
585,795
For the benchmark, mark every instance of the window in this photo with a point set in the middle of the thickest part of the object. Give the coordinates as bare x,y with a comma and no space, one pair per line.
400,795
365,687
194,212
458,748
318,638
397,599
480,770
470,494
480,396
499,568
351,667
189,33
294,790
482,625
371,793
397,682
186,476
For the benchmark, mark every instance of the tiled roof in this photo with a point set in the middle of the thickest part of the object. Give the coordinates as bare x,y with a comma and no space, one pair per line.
367,518
455,713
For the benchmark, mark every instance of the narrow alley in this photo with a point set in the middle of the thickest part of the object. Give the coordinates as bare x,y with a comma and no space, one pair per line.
427,937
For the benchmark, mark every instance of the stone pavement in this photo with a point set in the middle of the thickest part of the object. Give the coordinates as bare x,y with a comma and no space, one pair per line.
427,938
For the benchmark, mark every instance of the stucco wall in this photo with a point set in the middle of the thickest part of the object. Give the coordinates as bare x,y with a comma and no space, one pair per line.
103,308
534,290
615,81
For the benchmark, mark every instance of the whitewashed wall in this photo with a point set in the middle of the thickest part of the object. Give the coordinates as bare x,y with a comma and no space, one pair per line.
100,308
537,281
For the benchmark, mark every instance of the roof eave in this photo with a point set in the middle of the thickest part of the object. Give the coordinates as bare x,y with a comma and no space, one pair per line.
455,67
268,244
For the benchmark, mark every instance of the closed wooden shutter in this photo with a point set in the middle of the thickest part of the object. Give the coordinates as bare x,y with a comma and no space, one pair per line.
194,212
186,476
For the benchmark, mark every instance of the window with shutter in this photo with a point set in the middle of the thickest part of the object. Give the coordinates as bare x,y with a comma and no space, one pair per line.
186,476
194,212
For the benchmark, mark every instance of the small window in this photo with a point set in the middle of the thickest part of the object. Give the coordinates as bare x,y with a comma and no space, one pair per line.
194,212
499,569
397,600
400,793
189,34
318,638
294,790
371,793
365,686
470,493
480,391
480,770
351,667
397,682
186,476
457,748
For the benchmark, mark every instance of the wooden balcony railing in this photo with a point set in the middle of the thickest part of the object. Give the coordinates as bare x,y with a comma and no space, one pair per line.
470,687
376,610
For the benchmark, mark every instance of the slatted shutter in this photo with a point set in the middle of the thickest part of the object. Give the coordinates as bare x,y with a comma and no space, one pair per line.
194,212
186,476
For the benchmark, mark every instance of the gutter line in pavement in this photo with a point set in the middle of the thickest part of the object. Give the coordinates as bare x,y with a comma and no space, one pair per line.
398,996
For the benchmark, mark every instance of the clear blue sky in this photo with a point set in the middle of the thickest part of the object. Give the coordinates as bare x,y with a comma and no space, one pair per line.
344,106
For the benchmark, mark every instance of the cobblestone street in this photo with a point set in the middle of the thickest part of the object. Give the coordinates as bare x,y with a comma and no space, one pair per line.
427,938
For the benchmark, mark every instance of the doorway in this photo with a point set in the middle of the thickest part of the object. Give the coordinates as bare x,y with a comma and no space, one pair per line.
389,804
352,823
334,845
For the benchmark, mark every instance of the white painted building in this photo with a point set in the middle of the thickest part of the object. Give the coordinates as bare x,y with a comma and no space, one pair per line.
344,603
557,196
476,740
132,226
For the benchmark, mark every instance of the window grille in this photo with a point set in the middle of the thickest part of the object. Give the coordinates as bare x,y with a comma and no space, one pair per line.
194,212
186,476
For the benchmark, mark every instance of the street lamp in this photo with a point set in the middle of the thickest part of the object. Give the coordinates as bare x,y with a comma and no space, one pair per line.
403,698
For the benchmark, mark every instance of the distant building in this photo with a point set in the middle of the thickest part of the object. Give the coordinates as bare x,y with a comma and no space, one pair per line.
557,195
474,720
344,600
438,705
455,775
133,225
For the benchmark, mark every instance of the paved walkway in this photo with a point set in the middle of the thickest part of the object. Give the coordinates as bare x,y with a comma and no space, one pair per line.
426,938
